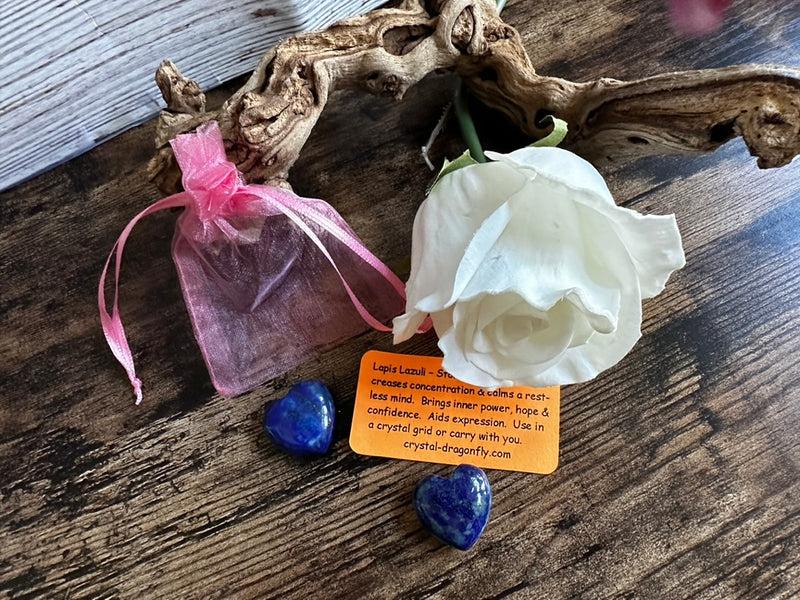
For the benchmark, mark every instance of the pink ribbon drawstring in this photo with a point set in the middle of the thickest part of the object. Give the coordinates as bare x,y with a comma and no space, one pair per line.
112,324
249,199
290,205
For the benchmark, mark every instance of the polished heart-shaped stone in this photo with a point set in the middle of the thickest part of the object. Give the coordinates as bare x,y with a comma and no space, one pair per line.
302,421
455,510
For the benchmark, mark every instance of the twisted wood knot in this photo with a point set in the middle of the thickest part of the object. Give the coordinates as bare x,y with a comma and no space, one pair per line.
771,133
182,95
399,41
463,29
267,122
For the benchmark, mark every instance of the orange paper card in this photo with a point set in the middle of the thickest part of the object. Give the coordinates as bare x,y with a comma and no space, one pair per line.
408,407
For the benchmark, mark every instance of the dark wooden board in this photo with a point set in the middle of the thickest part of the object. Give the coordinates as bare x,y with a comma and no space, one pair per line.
678,473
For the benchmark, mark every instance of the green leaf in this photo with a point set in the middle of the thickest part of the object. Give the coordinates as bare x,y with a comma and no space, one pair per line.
556,136
462,161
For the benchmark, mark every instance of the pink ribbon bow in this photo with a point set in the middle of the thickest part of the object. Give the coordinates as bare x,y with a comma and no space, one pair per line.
215,190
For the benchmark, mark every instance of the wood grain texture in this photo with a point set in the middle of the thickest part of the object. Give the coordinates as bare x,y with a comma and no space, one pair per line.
679,467
266,123
78,72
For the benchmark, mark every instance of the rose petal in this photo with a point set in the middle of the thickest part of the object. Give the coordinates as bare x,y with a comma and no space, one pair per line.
406,325
653,241
542,259
545,343
442,320
521,360
479,247
583,330
603,350
446,222
500,305
456,363
601,275
602,319
557,164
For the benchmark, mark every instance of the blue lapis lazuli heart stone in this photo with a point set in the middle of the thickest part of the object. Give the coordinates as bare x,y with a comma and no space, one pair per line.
455,510
302,421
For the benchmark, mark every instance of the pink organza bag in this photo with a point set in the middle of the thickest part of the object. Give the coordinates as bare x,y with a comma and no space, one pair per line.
269,278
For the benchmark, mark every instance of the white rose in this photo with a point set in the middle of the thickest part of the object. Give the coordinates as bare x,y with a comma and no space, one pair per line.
531,273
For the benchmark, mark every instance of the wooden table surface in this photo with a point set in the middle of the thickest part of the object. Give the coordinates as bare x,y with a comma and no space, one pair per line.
678,473
97,58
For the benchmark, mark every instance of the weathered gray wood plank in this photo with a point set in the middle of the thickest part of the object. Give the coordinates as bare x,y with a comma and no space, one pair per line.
77,72
678,473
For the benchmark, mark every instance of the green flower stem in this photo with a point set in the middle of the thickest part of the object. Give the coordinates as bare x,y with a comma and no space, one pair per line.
465,122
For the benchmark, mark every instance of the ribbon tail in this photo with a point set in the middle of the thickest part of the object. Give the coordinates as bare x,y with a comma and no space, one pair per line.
358,248
112,323
293,208
362,310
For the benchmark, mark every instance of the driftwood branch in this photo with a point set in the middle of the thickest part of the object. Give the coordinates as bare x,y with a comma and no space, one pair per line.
385,52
